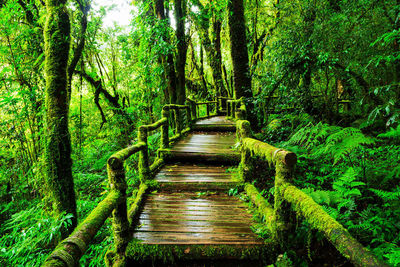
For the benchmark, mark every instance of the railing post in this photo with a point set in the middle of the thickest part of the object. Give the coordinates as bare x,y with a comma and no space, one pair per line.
188,117
143,165
164,129
120,224
193,110
178,121
246,167
208,110
217,105
284,164
228,109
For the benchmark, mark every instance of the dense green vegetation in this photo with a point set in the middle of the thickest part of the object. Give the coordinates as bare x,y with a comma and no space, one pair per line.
321,78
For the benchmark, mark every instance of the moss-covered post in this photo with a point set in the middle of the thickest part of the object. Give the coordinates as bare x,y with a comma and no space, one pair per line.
228,109
58,160
120,224
144,170
246,167
193,110
178,121
208,109
284,163
240,112
188,116
164,129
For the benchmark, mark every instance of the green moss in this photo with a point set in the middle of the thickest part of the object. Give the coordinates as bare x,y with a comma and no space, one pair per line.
260,149
134,207
58,160
307,207
72,248
350,248
140,252
263,207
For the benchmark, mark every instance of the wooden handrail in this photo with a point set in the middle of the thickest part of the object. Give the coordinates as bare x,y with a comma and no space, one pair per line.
70,250
283,162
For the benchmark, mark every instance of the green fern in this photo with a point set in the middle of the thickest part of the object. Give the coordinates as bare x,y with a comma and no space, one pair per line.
324,197
392,134
340,144
387,195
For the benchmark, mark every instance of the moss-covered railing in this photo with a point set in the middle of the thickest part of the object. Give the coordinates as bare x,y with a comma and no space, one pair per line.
69,251
236,109
211,108
288,197
222,103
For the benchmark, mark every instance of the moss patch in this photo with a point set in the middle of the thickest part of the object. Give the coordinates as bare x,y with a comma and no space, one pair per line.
139,252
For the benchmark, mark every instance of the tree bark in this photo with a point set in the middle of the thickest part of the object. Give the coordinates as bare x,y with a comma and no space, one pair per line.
58,144
180,14
240,58
168,60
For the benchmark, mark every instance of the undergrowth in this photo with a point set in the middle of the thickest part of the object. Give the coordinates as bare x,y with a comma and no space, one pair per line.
354,177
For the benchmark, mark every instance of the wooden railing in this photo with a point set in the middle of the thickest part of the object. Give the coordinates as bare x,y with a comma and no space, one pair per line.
236,109
211,108
287,197
70,250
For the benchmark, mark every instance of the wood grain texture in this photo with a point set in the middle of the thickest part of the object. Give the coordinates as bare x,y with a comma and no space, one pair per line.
186,218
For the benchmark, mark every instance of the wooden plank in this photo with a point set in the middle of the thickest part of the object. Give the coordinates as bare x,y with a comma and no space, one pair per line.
191,196
195,175
195,229
189,211
191,203
210,150
199,238
193,170
195,217
185,223
183,206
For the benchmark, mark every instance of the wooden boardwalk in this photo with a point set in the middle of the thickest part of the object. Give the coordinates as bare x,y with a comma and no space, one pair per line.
208,145
192,207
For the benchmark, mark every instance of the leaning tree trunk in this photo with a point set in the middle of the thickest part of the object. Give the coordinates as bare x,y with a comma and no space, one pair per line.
240,57
58,144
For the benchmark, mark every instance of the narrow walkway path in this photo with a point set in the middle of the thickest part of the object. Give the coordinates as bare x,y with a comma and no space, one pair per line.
192,207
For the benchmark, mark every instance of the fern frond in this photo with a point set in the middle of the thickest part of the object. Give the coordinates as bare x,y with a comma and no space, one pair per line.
387,195
391,134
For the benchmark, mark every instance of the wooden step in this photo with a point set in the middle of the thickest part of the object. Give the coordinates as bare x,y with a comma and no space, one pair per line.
192,177
191,226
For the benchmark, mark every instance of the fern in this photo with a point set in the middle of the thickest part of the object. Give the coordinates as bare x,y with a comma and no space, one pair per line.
342,143
392,134
324,197
387,195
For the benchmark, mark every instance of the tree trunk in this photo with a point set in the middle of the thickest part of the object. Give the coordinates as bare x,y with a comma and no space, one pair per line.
180,13
240,58
58,144
216,61
168,60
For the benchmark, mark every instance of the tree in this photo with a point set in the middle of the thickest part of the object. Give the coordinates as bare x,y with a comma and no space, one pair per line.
58,144
180,15
240,57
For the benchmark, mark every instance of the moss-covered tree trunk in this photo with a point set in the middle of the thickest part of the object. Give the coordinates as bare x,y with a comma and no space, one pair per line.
58,144
216,61
240,57
168,60
180,13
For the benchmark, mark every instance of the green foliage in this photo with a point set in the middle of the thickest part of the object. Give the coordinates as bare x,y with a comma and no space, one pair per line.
31,234
323,140
392,135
